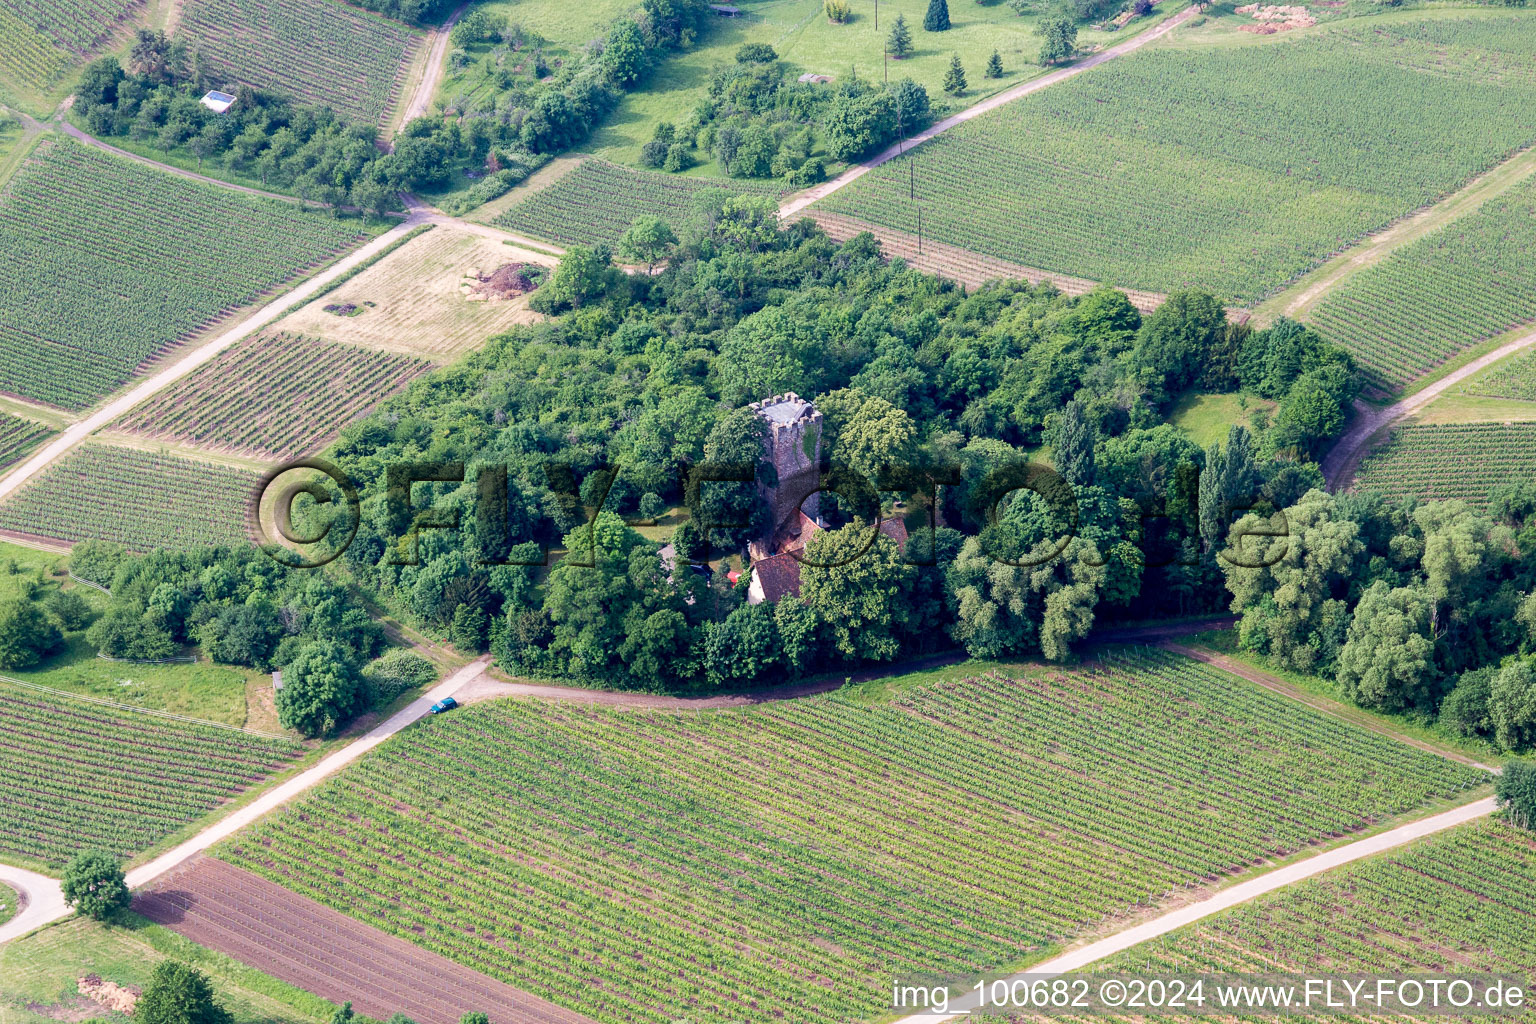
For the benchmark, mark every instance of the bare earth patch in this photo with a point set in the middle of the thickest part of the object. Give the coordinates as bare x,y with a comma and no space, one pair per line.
413,301
504,283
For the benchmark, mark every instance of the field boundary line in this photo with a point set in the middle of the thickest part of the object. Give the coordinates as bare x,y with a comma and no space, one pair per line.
91,584
1226,899
796,203
103,702
1371,423
1325,705
90,140
125,402
1307,293
942,259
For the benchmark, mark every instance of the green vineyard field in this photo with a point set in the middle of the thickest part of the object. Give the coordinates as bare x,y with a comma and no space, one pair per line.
805,851
142,500
598,201
320,51
273,397
1455,460
78,775
1231,170
41,40
1425,303
1457,902
1515,377
79,26
18,438
134,260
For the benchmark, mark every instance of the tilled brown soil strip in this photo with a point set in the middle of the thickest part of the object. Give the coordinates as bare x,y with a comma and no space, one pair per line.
323,951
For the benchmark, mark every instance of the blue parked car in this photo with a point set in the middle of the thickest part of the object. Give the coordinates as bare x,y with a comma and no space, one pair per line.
446,704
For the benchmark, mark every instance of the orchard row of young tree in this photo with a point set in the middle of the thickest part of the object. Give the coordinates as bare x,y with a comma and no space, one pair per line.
643,376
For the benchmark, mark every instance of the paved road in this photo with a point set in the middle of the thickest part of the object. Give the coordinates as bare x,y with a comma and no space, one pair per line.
794,204
46,903
105,414
1343,459
41,897
1225,899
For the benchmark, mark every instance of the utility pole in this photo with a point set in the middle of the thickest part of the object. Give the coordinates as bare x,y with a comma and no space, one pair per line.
877,15
887,67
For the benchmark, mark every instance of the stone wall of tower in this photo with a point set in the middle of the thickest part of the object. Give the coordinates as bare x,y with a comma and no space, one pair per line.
793,445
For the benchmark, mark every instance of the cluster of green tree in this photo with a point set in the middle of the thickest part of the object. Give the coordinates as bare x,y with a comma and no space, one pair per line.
240,607
758,122
1427,609
553,105
414,11
306,150
311,152
34,619
650,373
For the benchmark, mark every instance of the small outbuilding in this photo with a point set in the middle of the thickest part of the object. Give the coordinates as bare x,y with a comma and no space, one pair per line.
726,10
218,102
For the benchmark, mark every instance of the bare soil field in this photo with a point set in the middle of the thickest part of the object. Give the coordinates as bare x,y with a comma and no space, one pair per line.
321,951
420,300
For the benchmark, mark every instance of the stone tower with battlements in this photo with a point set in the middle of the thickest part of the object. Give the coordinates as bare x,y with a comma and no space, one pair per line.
793,445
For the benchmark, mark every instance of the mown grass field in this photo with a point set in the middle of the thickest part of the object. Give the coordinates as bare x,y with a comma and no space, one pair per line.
324,52
141,499
134,261
79,775
416,301
39,974
598,201
1458,902
1426,303
807,850
1230,169
215,693
272,397
1434,462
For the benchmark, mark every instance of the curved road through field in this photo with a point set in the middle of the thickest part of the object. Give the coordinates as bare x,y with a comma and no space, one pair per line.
45,903
1370,422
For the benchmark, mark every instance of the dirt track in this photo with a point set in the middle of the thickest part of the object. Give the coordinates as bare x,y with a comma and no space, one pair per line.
325,952
487,688
1371,422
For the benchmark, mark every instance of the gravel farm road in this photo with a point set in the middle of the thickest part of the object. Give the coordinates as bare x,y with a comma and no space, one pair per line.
1225,899
45,903
1344,458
